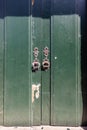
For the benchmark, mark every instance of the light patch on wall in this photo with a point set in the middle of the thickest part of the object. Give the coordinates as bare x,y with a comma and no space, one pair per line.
35,91
32,2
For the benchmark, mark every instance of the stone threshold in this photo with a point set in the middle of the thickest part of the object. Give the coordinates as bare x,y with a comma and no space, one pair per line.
42,128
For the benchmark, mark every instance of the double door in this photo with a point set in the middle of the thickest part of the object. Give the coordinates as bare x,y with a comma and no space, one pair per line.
40,80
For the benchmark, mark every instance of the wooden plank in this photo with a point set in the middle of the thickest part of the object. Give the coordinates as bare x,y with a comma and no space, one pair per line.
17,89
66,78
1,60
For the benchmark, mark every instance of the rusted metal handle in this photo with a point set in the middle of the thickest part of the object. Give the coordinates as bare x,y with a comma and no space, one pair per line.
35,65
45,64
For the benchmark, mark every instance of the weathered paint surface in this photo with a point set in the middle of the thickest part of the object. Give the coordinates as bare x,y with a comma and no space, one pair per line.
17,78
35,92
43,97
66,76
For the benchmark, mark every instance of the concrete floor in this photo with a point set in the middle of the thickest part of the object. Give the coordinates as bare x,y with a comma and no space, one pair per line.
42,128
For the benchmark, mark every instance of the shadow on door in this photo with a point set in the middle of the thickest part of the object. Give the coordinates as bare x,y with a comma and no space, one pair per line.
83,13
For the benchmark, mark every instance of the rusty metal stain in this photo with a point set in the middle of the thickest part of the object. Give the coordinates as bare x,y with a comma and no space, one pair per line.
35,91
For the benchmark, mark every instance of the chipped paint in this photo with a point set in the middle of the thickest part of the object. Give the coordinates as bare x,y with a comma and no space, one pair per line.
55,57
35,91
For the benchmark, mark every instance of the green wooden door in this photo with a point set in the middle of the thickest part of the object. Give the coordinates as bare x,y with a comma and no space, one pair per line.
17,80
41,63
40,23
66,96
65,80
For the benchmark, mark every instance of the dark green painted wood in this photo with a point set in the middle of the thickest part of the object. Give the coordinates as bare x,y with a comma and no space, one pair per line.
46,75
57,27
41,39
17,86
36,76
46,8
65,68
1,60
